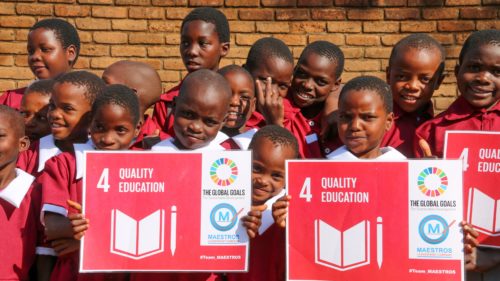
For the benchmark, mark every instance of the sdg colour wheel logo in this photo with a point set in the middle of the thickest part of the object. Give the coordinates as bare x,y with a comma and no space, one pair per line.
223,172
432,182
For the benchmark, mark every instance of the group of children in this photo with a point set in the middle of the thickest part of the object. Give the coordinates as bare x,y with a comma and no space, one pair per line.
278,109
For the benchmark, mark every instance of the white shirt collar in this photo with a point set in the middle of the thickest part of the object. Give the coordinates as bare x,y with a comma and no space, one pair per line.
80,149
47,149
388,153
243,140
168,144
16,190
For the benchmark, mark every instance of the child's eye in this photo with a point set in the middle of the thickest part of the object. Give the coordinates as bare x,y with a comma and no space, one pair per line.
496,72
321,82
256,169
211,122
42,118
283,87
122,130
187,114
277,176
425,79
204,43
474,68
67,108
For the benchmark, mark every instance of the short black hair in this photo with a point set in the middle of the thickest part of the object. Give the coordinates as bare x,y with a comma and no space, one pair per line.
327,50
370,83
208,78
93,84
120,95
64,31
480,38
419,41
43,86
236,68
266,48
15,118
278,136
211,15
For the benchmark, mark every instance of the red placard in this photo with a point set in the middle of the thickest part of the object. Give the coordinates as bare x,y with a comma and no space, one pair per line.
153,211
480,152
374,220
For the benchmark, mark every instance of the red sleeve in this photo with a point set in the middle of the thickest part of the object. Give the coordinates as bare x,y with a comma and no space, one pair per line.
161,109
12,98
56,180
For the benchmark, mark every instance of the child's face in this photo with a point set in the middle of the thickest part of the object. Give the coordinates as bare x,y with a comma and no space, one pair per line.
69,112
313,79
11,143
280,72
198,117
46,56
478,77
34,108
268,169
363,122
200,46
243,99
113,128
414,75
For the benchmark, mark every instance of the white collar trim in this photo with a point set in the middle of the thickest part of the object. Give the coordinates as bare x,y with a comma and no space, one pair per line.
47,149
243,140
80,149
168,144
388,153
16,190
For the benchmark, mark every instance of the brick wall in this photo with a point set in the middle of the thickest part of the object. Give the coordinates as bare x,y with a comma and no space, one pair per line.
148,31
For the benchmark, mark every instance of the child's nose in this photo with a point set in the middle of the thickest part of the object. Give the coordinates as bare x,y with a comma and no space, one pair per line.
412,85
355,124
194,127
307,84
192,50
483,77
106,139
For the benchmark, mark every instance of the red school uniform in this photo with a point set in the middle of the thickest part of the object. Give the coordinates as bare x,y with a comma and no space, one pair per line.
240,141
400,135
147,128
20,226
33,160
162,110
459,116
12,98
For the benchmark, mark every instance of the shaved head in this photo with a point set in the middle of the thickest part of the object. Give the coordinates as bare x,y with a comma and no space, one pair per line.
14,119
138,76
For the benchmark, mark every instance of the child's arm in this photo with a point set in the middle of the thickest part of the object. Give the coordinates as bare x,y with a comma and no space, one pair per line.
57,226
270,104
79,226
44,266
329,116
253,220
426,149
470,245
280,210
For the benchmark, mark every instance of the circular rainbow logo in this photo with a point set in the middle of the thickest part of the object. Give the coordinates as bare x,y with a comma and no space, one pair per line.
432,182
223,172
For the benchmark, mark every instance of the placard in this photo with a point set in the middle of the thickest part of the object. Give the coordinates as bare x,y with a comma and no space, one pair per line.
155,211
480,152
369,220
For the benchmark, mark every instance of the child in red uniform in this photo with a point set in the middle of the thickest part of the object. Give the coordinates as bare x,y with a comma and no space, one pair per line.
53,48
415,71
478,81
270,63
19,202
365,114
204,41
199,113
145,81
34,108
271,146
241,107
115,123
69,118
316,77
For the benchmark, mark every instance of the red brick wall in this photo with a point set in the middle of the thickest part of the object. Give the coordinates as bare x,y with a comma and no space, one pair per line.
148,30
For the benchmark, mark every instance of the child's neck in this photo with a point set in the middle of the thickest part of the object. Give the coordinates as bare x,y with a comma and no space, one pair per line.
373,154
67,145
231,132
7,174
312,110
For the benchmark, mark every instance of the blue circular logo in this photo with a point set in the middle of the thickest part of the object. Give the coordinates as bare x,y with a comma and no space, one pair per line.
433,229
223,217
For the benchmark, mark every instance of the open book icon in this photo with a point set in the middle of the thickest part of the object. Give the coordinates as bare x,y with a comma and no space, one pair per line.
484,212
343,250
137,239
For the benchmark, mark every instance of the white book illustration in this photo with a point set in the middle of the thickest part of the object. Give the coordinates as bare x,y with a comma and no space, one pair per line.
137,239
484,212
342,250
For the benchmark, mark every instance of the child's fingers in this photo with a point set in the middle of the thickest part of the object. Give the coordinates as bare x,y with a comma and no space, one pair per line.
260,208
80,222
424,146
81,228
281,221
251,233
79,235
75,206
280,205
260,92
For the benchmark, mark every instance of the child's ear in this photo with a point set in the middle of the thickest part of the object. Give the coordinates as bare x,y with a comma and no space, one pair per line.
224,49
336,85
441,76
71,54
389,120
24,143
457,69
137,129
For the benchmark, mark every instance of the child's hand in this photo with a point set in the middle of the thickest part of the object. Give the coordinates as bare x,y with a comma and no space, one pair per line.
329,116
426,149
79,223
470,246
253,220
280,210
65,246
269,103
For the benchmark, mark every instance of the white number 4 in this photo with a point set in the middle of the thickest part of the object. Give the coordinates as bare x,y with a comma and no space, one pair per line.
103,182
305,192
465,158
